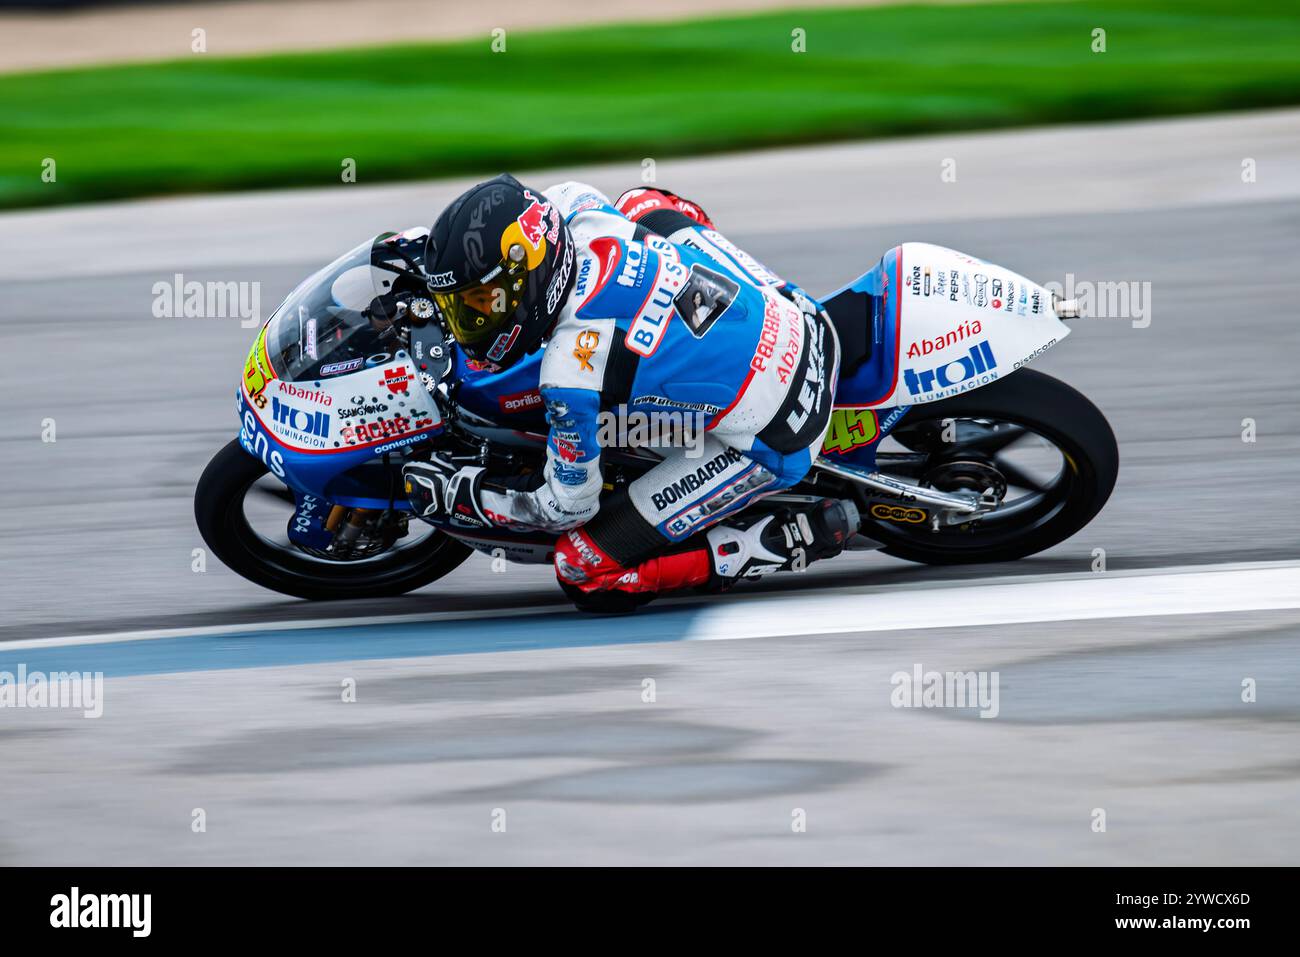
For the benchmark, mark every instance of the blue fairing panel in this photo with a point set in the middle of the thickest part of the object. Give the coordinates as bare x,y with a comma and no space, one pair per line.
338,476
865,314
510,397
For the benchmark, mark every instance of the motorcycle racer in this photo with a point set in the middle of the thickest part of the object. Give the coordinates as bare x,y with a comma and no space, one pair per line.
640,305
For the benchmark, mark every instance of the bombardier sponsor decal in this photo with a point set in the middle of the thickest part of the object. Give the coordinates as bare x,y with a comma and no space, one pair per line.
694,481
964,330
974,369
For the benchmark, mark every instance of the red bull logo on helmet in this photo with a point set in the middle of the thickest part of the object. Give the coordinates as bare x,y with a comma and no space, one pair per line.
538,221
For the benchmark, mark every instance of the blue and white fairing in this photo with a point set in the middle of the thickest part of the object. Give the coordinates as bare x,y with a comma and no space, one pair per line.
935,323
327,388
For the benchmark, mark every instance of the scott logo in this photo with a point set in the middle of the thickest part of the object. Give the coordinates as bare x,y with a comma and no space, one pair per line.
956,375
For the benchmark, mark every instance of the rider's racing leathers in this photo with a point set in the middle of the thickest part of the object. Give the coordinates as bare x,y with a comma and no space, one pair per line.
665,315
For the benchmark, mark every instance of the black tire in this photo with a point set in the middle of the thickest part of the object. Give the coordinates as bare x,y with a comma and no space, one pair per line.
1053,410
219,512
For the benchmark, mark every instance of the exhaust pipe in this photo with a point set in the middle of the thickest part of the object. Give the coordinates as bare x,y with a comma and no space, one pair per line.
1065,308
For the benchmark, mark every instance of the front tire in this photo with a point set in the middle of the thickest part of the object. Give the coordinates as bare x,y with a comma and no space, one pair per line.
219,512
1036,404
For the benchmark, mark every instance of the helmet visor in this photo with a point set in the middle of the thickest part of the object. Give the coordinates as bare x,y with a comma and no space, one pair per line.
477,314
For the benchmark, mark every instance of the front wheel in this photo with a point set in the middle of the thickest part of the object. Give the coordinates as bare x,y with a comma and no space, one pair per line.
1037,444
222,506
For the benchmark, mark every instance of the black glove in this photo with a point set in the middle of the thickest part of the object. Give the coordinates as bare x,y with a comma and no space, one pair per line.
439,490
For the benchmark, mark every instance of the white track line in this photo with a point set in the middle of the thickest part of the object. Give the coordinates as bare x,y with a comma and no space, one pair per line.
1181,590
1082,598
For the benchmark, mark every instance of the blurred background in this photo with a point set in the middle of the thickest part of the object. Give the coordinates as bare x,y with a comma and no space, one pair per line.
164,98
1152,143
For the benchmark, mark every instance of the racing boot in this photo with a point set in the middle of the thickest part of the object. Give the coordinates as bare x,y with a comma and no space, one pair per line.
787,540
746,547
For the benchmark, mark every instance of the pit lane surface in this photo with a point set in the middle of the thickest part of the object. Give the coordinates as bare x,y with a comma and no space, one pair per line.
1139,715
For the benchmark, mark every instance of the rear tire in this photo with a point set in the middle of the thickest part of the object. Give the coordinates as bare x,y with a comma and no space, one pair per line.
1053,410
219,512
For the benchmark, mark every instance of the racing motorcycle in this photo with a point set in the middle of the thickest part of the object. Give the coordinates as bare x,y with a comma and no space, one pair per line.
953,451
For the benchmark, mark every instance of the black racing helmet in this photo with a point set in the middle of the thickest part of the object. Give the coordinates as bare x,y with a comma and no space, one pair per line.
499,262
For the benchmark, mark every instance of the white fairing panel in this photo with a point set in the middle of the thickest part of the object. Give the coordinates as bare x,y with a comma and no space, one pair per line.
964,322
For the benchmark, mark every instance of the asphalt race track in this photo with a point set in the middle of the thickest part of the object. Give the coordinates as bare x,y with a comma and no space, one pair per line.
693,733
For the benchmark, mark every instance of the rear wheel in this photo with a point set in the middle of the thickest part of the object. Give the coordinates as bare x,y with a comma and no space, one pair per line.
228,492
1037,443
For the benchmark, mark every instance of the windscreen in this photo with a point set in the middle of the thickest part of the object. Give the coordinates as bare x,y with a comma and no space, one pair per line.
336,319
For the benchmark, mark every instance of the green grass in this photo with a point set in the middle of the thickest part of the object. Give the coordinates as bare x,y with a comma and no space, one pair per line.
560,97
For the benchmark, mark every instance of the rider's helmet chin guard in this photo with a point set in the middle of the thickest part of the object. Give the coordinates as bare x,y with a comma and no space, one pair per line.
499,263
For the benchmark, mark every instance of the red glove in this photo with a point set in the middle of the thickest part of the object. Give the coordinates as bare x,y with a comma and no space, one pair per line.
635,203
